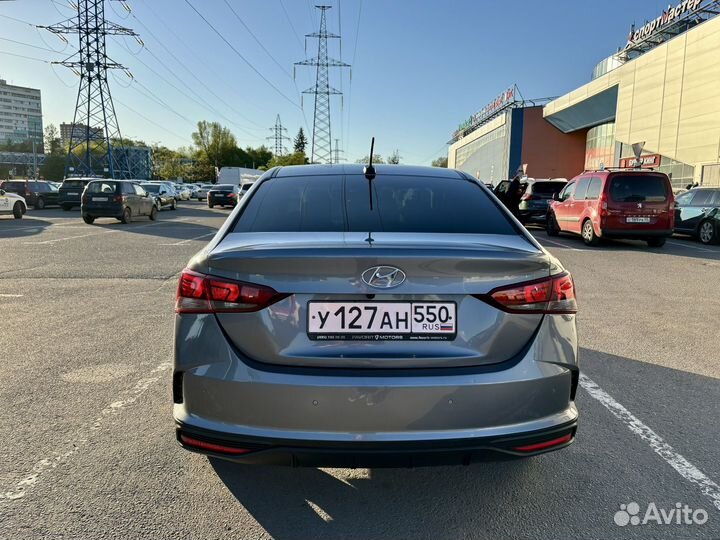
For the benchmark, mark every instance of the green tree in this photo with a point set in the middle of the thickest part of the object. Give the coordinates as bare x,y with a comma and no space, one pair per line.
300,141
215,143
440,162
53,168
394,158
53,144
296,158
258,157
377,158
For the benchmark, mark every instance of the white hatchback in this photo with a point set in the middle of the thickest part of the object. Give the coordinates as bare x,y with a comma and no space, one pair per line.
12,203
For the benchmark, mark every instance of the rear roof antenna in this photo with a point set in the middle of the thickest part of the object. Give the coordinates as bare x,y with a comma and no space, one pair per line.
369,171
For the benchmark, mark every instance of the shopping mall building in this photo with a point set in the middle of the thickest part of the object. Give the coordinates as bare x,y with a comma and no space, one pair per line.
661,88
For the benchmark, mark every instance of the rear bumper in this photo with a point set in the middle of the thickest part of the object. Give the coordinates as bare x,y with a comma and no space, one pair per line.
635,234
310,453
287,414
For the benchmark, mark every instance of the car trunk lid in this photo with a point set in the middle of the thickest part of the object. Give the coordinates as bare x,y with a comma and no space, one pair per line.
328,268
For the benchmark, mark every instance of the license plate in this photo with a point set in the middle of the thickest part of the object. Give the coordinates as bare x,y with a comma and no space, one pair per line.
76,194
637,220
381,321
97,199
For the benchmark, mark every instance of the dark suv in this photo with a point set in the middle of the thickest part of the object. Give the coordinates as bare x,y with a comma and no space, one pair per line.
121,199
536,198
697,213
37,193
71,190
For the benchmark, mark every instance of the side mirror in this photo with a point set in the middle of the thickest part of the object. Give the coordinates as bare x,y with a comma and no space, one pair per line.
556,197
2,192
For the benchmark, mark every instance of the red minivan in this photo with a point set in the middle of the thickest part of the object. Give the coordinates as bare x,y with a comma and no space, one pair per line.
633,204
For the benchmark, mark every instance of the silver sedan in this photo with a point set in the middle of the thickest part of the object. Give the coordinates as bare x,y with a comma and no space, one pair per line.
398,317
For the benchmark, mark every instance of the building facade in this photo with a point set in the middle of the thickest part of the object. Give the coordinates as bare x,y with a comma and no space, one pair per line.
78,132
662,89
20,117
510,132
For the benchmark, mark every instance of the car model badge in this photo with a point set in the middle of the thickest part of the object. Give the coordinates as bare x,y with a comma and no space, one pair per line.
639,205
383,277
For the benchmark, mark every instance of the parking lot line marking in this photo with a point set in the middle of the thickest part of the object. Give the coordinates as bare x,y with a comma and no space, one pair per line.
541,240
21,488
692,247
11,295
686,469
42,242
181,242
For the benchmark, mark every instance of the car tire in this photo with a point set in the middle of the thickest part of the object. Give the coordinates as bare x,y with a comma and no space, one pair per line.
18,210
656,242
173,205
66,207
708,232
588,234
153,213
39,204
88,219
127,216
211,205
551,225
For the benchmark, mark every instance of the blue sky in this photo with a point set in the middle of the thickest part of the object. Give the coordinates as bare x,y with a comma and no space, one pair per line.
420,67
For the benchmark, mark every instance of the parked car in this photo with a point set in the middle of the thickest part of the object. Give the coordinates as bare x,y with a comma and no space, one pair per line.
162,196
121,199
12,203
71,190
37,193
697,213
201,193
615,203
536,198
318,330
223,195
183,192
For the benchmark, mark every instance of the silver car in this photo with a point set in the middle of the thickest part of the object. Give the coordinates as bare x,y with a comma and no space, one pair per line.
323,327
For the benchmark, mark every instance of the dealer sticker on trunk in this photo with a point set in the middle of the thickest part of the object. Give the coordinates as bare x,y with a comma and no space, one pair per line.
381,321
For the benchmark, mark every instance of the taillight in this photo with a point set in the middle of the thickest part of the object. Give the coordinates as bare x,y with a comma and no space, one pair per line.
119,198
555,294
199,293
231,195
602,203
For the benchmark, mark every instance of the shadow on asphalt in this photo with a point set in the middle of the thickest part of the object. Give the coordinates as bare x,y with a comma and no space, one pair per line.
380,503
162,228
21,228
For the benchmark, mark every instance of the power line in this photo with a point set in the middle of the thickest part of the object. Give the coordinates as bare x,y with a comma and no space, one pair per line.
26,57
184,66
212,27
29,45
16,19
289,20
357,33
201,102
128,107
256,39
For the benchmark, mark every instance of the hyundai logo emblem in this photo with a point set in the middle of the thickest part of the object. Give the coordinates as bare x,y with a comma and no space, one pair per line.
383,277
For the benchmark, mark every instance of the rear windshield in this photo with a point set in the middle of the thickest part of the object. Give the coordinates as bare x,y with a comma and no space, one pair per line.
224,187
638,188
74,183
101,187
152,188
401,204
547,188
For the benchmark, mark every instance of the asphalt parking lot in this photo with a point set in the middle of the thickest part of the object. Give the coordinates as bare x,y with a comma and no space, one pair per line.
88,448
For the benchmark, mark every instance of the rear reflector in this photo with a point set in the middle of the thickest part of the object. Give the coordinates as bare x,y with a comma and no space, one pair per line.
555,294
212,447
198,293
544,445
